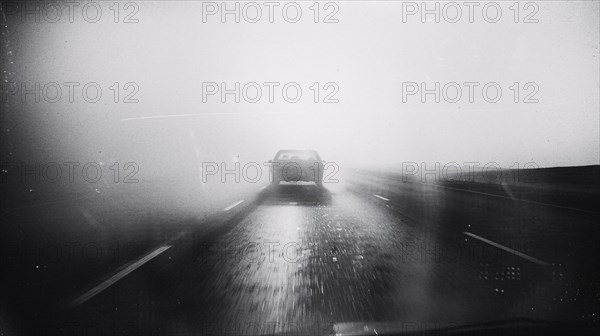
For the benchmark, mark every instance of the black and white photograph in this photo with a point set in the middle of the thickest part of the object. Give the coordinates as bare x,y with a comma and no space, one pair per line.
307,167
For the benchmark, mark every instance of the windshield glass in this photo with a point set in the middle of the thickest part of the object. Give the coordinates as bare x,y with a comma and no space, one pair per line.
297,167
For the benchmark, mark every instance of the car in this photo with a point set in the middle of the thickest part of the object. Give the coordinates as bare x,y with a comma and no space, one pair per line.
293,165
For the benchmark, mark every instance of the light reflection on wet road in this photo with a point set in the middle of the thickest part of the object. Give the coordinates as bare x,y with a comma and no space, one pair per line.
305,258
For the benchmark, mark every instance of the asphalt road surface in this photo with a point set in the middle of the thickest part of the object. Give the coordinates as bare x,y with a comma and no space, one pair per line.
298,259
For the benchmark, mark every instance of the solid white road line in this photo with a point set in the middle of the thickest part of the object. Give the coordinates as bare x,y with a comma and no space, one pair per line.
507,249
381,197
120,275
233,205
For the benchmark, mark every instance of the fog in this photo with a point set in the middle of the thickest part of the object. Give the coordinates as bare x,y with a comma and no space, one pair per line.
171,125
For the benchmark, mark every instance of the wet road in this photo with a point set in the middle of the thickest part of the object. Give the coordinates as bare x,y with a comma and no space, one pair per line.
305,260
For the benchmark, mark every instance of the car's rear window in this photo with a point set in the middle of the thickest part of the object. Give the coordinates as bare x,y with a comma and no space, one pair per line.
296,155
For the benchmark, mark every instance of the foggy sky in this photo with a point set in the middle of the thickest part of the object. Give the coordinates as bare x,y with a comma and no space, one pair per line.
368,54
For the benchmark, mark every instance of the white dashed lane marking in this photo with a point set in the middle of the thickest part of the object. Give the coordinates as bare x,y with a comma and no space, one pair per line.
507,249
120,275
233,205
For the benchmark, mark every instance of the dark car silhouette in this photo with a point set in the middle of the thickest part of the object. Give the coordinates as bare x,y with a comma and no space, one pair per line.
292,165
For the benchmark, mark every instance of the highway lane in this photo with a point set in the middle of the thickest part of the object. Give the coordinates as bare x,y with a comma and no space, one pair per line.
547,230
303,259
